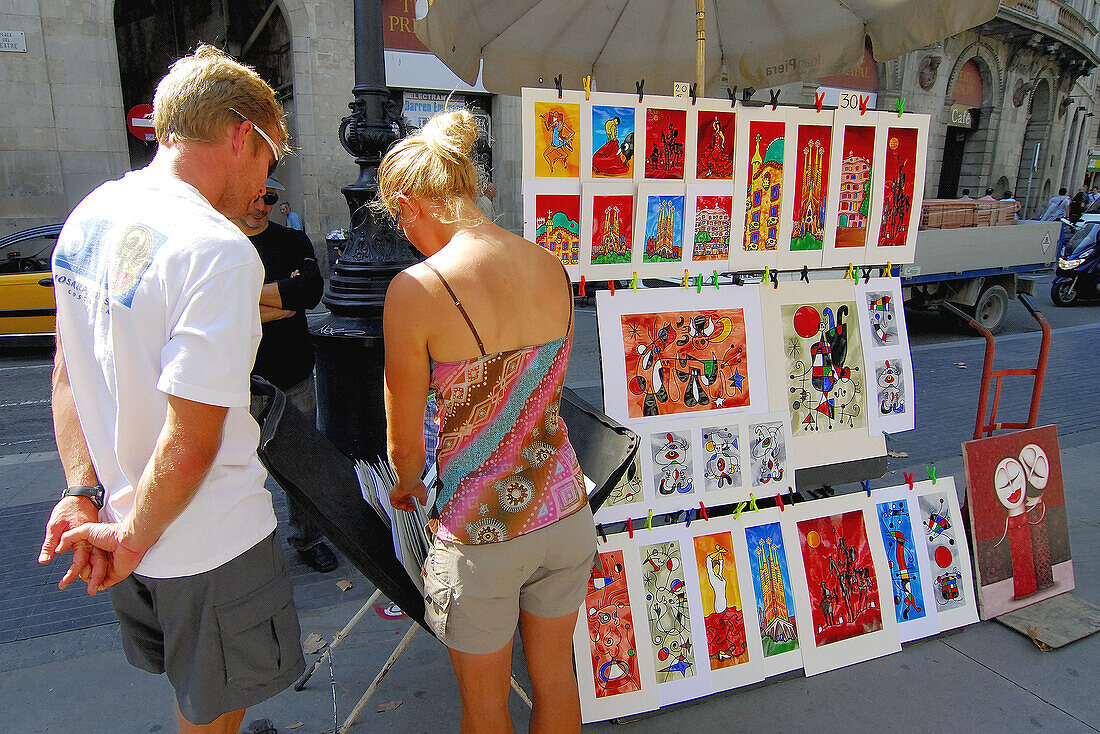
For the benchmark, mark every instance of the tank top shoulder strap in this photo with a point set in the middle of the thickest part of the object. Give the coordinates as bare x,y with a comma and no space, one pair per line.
458,305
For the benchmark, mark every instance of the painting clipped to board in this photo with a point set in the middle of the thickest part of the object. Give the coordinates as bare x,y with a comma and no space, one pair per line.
715,138
551,134
808,183
910,574
889,365
819,371
855,173
1018,519
842,583
659,229
763,162
665,140
904,148
709,218
729,617
609,130
607,231
773,594
552,219
612,636
947,553
667,352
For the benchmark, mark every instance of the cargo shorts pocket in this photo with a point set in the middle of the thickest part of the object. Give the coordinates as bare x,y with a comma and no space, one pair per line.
259,635
438,591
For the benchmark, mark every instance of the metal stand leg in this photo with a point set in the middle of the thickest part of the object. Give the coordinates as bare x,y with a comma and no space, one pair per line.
336,641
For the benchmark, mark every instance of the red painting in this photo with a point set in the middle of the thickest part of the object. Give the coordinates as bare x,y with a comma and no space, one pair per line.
854,199
840,576
764,193
557,225
901,161
611,629
612,229
713,218
685,361
1018,518
811,186
715,145
665,137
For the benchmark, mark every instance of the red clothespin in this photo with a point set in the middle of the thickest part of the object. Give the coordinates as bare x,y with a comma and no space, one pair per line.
779,501
649,521
634,282
600,532
864,99
611,286
580,289
630,527
866,484
587,82
909,479
690,512
819,100
703,510
931,473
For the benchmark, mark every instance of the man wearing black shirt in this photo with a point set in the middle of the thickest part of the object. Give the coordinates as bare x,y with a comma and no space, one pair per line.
292,284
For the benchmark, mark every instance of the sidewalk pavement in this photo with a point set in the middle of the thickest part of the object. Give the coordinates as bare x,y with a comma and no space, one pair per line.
62,668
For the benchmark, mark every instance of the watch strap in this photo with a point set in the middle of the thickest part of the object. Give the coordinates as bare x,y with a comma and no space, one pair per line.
94,493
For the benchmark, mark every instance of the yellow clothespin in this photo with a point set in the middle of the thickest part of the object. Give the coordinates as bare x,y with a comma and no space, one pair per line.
767,274
634,282
889,269
752,503
649,521
851,273
684,282
587,82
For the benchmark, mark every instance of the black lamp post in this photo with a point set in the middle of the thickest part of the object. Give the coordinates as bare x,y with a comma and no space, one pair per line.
350,352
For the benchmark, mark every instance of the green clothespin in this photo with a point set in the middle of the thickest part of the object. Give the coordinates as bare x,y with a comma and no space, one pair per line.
649,521
714,280
699,283
634,282
932,473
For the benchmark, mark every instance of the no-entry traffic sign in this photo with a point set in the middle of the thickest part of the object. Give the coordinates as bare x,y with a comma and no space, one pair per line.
139,121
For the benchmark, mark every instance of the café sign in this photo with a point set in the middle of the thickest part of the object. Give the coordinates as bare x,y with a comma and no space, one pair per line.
961,116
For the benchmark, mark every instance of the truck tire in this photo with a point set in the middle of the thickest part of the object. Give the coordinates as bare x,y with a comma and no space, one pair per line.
1064,293
991,310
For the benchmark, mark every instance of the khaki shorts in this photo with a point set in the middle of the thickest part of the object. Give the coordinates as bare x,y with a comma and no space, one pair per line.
473,593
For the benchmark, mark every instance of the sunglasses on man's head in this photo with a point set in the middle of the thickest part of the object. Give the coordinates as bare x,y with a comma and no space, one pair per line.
270,198
267,139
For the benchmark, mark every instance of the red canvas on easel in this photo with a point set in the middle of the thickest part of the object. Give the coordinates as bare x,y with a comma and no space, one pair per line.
1018,519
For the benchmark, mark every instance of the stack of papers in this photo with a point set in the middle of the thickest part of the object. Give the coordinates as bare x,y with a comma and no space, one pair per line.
411,538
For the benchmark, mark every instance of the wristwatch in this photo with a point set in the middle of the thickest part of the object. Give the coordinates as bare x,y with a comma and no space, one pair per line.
95,494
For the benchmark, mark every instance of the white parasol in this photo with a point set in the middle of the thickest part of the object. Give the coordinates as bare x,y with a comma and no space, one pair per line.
761,43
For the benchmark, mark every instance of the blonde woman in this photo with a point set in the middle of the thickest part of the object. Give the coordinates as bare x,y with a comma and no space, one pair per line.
487,320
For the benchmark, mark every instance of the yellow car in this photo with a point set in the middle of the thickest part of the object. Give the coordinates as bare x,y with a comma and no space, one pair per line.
26,285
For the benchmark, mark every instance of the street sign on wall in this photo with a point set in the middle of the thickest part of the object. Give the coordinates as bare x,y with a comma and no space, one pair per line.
139,121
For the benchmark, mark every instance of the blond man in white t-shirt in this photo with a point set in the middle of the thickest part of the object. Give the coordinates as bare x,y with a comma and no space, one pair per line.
157,325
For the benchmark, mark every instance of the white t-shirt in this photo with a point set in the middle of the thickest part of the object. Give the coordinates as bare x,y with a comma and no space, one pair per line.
157,294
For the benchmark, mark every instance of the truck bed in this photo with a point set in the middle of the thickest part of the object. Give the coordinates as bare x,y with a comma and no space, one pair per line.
946,254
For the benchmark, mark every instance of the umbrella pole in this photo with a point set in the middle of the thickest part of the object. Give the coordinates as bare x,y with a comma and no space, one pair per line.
700,47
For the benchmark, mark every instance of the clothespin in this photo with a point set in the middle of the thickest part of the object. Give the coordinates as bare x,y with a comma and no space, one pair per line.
703,509
611,286
752,503
775,280
639,85
867,275
779,501
888,272
686,279
931,473
699,283
634,282
889,438
691,93
739,509
767,273
714,280
819,100
790,495
899,105
649,521
775,97
690,512
909,479
557,83
600,532
587,82
746,93
805,273
851,274
864,99
866,484
630,527
580,289
732,94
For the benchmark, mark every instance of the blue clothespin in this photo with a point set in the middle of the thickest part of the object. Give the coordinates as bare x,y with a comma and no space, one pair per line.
866,484
690,512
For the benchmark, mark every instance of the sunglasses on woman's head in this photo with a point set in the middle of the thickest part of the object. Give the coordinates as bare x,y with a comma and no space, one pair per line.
270,198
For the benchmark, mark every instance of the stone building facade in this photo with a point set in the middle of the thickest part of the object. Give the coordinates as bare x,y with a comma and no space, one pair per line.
1025,79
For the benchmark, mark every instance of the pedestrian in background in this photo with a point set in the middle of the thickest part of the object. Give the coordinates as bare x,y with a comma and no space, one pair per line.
292,285
1056,207
966,194
166,504
293,221
988,196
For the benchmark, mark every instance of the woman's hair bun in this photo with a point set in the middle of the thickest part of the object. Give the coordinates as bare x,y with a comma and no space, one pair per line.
451,132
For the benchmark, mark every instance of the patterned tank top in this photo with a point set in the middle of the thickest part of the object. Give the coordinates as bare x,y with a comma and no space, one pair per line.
505,463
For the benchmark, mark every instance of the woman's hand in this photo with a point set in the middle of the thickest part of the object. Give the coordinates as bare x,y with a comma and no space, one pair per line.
401,498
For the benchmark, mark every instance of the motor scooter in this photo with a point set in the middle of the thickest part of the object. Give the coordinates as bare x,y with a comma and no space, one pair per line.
1077,277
